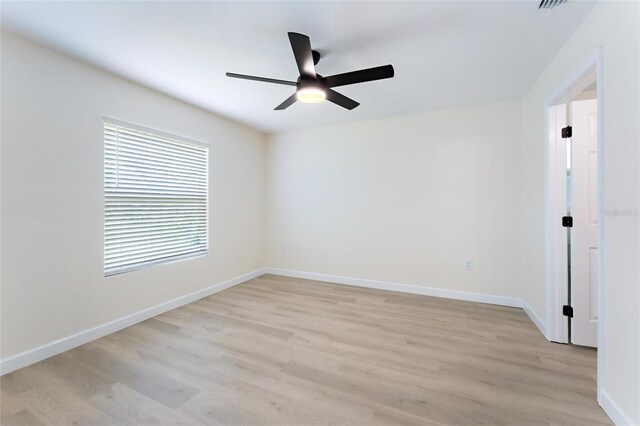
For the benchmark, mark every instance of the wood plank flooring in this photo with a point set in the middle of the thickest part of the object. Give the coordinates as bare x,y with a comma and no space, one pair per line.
283,351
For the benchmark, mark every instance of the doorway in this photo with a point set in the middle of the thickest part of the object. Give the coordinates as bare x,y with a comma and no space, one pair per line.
573,183
574,211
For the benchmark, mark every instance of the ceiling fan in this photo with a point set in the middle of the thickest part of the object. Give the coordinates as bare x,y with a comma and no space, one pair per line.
311,87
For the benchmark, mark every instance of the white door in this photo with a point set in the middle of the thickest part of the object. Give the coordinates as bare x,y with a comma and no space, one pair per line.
584,248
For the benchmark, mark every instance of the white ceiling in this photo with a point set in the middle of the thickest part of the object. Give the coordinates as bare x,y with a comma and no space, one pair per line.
446,54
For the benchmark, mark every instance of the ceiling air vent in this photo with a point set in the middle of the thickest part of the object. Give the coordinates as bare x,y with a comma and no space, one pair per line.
550,4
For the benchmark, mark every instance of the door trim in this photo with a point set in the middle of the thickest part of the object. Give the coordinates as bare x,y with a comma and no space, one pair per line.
556,325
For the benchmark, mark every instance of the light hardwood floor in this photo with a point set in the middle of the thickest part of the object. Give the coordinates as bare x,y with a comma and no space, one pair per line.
283,351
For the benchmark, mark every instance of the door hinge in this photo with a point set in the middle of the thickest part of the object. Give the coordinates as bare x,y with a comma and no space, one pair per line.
567,311
567,221
566,132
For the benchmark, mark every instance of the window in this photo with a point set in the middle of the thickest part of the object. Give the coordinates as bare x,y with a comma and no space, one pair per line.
155,198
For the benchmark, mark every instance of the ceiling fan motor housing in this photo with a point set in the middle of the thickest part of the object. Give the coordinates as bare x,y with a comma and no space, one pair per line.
308,82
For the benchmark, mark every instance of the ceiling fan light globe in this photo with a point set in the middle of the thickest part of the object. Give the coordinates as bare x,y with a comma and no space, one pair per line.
311,95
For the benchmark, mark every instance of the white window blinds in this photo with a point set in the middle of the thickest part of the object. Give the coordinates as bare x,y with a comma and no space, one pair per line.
155,207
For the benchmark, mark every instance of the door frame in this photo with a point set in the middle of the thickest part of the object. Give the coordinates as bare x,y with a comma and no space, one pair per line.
555,236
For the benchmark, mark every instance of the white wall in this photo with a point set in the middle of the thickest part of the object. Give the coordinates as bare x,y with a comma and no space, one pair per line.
403,199
616,27
52,197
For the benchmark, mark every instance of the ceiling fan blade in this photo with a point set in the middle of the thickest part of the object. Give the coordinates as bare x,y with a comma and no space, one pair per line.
301,46
287,103
263,79
361,76
341,100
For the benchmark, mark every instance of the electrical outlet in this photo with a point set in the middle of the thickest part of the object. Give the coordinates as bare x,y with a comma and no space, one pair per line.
468,265
284,250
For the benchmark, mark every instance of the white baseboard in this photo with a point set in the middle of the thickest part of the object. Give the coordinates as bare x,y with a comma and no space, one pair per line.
534,318
405,288
50,349
613,410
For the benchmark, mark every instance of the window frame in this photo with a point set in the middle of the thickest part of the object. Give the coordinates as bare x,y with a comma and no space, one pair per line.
163,261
